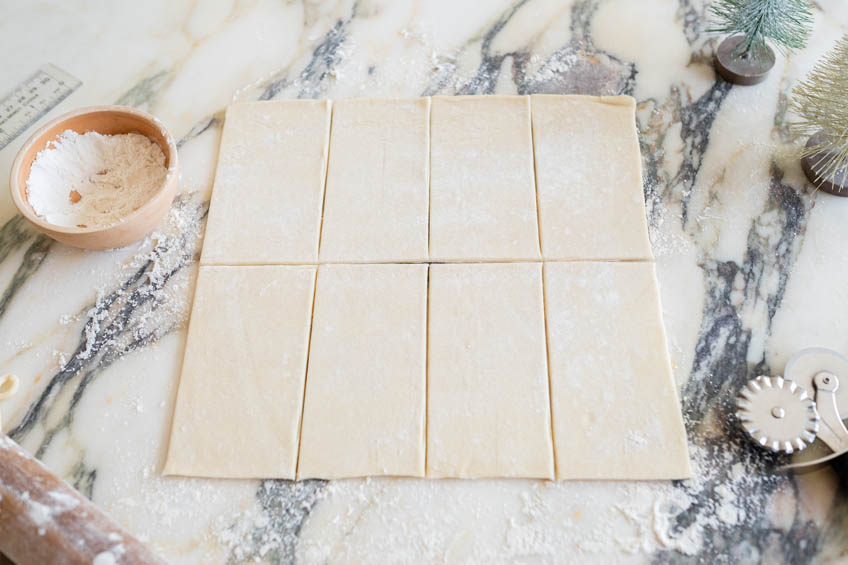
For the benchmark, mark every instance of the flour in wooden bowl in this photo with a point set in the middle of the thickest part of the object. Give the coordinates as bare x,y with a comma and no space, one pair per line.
92,180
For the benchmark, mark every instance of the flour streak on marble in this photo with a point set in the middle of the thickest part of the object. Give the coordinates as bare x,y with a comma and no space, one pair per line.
733,224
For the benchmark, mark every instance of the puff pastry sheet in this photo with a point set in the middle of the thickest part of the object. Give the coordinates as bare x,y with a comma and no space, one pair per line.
447,288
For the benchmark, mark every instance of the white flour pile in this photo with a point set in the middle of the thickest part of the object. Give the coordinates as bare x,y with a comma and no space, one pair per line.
93,180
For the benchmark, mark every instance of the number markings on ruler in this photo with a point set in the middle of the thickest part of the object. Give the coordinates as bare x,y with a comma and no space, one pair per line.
32,99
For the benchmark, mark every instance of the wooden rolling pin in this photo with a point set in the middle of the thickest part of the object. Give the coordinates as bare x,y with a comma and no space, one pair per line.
44,520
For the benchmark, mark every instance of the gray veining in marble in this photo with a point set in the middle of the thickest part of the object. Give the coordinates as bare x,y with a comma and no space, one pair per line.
733,223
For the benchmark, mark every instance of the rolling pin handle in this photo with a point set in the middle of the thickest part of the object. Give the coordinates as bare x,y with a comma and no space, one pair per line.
44,520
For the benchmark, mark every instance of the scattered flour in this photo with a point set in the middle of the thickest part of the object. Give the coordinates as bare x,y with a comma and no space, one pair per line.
636,438
39,513
162,294
62,501
94,180
109,557
408,521
728,509
413,521
43,515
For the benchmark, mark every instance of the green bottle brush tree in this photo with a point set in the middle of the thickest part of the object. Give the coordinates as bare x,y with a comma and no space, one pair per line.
753,26
821,104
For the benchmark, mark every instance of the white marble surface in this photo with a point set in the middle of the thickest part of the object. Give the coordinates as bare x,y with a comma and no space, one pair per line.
750,260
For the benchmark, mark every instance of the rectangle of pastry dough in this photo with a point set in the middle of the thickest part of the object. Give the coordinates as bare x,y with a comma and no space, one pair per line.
376,203
241,391
365,387
615,408
482,191
488,406
269,184
589,178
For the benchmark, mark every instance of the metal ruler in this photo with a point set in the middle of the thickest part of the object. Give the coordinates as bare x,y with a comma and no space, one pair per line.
33,98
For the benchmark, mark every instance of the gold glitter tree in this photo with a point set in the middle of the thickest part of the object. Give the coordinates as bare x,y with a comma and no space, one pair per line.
821,104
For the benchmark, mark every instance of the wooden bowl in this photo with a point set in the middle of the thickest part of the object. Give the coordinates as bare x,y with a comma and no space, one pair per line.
104,120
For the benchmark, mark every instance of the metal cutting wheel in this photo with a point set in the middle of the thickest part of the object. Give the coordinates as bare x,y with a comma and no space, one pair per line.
778,414
806,406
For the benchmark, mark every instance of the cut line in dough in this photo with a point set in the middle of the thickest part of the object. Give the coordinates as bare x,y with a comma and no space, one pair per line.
482,190
365,386
500,322
589,178
377,192
488,406
269,184
615,408
240,394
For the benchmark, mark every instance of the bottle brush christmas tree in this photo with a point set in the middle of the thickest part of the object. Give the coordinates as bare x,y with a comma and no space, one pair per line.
820,102
746,56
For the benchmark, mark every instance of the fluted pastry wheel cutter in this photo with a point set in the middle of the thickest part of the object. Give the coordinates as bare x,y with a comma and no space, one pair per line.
802,409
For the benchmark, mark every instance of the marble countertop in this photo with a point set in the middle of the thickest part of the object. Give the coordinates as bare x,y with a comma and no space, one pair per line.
750,265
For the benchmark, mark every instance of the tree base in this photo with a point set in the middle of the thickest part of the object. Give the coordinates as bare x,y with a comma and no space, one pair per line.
742,70
836,182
